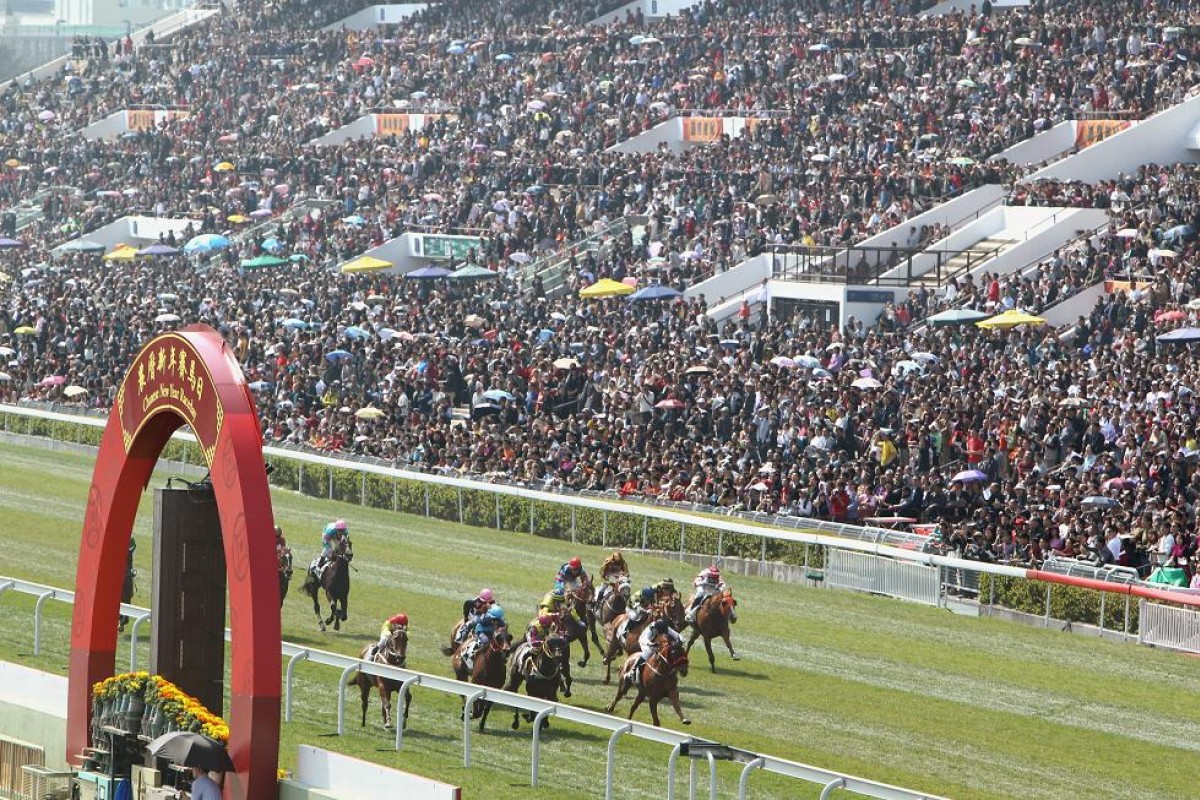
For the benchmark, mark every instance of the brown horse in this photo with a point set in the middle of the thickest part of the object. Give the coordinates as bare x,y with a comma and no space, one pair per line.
626,642
575,629
659,679
455,644
394,654
335,580
712,620
603,611
487,669
540,669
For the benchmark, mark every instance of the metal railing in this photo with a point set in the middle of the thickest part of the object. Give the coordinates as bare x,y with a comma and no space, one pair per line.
1169,627
615,727
552,268
885,576
870,266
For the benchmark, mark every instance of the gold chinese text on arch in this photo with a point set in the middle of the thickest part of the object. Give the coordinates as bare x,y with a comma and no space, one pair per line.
168,376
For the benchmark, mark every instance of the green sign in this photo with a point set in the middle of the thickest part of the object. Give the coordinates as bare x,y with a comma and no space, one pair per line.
451,247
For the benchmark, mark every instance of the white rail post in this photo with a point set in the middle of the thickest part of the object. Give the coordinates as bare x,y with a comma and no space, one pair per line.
537,742
37,621
682,534
287,685
395,493
691,779
572,524
133,640
531,513
300,479
468,704
427,501
671,761
497,496
342,697
402,707
362,489
460,506
1103,597
331,483
1047,622
611,757
827,792
6,585
604,528
744,779
712,776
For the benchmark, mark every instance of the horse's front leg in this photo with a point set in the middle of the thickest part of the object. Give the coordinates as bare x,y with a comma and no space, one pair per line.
728,644
407,700
692,640
674,695
385,700
637,701
712,660
487,706
653,703
622,688
583,642
564,675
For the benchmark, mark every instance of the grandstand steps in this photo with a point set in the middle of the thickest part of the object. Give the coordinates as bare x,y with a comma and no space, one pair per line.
961,263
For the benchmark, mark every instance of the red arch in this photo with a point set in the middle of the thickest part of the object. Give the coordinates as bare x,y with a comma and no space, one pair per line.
189,377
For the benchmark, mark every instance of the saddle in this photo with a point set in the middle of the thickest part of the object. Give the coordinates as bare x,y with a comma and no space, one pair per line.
467,652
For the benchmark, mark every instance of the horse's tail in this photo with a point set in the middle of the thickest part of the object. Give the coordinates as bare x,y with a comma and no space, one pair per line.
309,586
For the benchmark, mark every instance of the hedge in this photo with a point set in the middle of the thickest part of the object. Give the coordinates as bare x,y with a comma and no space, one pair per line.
1069,603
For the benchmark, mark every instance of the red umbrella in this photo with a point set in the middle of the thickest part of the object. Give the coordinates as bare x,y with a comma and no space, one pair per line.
670,402
1169,316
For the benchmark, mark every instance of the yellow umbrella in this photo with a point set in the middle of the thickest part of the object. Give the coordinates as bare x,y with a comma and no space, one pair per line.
12,162
606,287
1010,319
122,252
365,264
25,330
236,218
370,412
225,166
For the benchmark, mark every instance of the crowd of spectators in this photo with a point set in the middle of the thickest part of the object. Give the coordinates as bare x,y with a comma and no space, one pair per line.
879,114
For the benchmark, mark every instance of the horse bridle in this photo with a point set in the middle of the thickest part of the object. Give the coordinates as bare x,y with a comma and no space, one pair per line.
387,651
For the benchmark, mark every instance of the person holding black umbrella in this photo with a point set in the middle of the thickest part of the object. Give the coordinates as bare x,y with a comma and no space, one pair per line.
203,787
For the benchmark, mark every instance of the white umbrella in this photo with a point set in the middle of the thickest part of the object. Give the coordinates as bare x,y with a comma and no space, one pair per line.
866,383
167,318
1127,233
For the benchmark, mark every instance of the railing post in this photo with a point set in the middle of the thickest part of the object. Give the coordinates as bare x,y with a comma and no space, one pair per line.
1048,604
300,479
460,506
468,704
37,621
395,493
827,792
712,776
762,555
531,515
720,543
331,483
4,587
671,761
604,528
682,534
645,537
289,675
744,778
362,488
401,712
692,779
1103,597
1127,615
342,697
427,501
133,640
537,742
497,496
612,752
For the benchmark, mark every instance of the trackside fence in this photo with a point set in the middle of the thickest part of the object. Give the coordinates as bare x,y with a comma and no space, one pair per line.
345,666
1168,626
876,560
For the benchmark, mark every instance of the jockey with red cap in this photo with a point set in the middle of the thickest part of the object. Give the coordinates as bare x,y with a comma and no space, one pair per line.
570,575
390,625
707,583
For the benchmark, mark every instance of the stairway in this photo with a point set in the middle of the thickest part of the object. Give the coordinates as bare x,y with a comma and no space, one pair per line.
963,262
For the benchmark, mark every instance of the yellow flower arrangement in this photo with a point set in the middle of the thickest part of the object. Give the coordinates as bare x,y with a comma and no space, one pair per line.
185,711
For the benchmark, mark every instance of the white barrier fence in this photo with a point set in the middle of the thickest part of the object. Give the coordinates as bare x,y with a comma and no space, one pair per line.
615,727
1168,626
846,569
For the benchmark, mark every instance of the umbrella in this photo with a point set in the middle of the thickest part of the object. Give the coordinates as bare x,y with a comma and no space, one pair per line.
782,361
1169,316
498,394
4,376
158,249
261,386
520,257
167,318
25,330
272,245
427,273
906,366
1186,334
122,252
967,83
1099,501
565,363
356,220
295,323
1118,483
1162,253
7,351
46,115
337,356
866,383
504,57
808,362
370,412
74,391
655,292
957,316
669,403
265,261
472,272
969,476
365,264
699,369
1010,319
1074,402
224,166
605,287
237,219
205,242
925,358
474,321
1127,233
54,380
961,161
83,246
355,332
189,749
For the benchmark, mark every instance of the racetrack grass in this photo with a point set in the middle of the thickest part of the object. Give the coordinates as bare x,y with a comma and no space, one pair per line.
918,697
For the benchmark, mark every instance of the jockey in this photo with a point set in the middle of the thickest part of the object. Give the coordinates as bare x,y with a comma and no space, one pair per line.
283,553
665,588
390,626
473,609
638,611
555,603
539,630
660,627
334,532
570,574
613,568
707,583
487,625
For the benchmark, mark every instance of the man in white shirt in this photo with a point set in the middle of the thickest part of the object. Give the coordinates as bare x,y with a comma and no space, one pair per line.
203,787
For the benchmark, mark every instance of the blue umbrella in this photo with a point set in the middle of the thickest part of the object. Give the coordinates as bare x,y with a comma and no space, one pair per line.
456,49
498,394
536,188
544,335
337,356
957,316
206,242
427,273
295,323
355,219
158,249
655,292
261,386
272,245
355,332
969,476
504,57
1188,334
297,258
730,344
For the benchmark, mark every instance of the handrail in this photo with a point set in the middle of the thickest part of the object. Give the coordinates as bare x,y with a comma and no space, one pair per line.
560,711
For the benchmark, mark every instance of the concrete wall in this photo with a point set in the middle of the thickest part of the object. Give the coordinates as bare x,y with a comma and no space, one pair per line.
1043,146
733,282
19,54
973,204
651,9
371,16
669,132
110,127
1161,139
33,709
353,779
1071,309
1044,236
135,230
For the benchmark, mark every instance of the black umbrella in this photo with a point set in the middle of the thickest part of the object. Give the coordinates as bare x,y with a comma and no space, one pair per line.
189,749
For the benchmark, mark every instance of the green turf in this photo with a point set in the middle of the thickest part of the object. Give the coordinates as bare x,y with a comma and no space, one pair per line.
918,697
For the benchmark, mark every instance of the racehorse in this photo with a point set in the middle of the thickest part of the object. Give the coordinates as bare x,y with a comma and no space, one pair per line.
626,642
614,603
455,644
285,575
712,620
545,674
336,582
659,678
487,669
394,654
575,629
570,629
